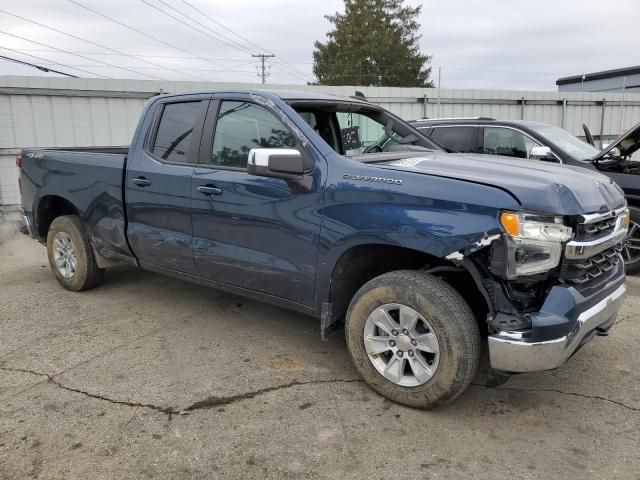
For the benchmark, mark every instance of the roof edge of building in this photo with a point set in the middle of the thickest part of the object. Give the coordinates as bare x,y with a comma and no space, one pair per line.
617,72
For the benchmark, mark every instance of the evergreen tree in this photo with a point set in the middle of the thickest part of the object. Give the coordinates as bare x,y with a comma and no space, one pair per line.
374,42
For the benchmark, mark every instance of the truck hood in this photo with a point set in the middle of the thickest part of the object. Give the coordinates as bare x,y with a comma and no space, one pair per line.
538,186
627,143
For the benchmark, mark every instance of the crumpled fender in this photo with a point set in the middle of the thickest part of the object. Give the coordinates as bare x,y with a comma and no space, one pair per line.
458,256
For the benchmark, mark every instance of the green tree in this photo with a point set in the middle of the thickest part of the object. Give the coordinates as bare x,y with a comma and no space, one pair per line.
374,42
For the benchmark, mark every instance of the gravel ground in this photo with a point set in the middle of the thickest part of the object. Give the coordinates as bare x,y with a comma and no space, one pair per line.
149,377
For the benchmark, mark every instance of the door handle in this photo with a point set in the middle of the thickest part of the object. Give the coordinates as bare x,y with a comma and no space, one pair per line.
141,182
209,190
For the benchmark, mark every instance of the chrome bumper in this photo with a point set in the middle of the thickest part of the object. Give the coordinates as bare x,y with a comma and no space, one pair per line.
516,352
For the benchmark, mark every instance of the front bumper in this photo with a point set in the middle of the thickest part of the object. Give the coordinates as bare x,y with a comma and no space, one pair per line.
566,321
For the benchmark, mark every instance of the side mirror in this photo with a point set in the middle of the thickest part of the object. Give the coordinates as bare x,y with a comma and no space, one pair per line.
275,162
542,153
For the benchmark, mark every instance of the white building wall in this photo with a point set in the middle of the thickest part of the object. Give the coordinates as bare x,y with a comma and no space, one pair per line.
65,112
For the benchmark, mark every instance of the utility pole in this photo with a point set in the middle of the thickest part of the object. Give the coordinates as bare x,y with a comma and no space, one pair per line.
439,78
263,71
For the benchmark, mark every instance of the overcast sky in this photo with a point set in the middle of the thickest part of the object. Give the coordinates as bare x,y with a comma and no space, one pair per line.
501,44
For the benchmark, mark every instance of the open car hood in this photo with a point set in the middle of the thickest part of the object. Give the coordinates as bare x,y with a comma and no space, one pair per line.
627,144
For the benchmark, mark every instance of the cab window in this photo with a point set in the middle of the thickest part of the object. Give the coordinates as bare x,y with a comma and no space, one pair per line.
242,126
507,142
174,132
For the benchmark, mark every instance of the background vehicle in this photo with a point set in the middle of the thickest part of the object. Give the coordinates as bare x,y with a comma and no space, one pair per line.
540,141
274,196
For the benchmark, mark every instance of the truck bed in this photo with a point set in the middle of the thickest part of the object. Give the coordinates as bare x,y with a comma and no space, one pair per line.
90,179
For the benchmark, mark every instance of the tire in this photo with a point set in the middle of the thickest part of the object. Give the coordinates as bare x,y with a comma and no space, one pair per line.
85,274
449,318
630,255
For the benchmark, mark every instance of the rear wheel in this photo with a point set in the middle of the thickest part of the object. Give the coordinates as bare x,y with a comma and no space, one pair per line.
631,249
70,255
413,338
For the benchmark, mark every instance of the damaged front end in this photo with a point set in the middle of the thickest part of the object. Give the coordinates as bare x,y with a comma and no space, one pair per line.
551,283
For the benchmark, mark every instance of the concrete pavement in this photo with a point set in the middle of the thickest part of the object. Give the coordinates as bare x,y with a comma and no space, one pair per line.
149,377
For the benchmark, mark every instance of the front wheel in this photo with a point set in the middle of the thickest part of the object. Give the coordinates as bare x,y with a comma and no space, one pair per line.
413,338
631,249
71,256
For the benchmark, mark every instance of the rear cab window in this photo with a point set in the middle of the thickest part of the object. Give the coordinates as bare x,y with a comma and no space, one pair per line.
174,133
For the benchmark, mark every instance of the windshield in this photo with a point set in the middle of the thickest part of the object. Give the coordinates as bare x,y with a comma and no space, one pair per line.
566,142
354,129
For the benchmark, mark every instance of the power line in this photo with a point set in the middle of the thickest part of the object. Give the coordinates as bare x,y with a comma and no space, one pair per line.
96,44
229,44
292,70
39,67
148,68
235,60
227,41
226,28
81,56
143,33
56,63
184,57
303,76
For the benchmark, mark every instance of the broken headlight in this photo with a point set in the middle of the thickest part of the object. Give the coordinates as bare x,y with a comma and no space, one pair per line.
534,242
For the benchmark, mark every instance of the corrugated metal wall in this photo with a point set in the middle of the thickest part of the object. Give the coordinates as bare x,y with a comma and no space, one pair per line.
63,112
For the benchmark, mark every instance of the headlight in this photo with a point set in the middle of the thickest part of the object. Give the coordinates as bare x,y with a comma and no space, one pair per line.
534,242
625,219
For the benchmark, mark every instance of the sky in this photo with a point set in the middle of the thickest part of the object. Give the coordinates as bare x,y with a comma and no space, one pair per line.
490,44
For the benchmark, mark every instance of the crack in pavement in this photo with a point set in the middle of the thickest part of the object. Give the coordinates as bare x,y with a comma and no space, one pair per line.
52,380
217,401
213,401
561,392
208,403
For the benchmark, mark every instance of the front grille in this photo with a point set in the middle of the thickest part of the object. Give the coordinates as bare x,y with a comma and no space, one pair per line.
595,230
591,270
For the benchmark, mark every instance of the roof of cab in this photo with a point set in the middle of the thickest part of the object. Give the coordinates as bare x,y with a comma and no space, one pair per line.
286,95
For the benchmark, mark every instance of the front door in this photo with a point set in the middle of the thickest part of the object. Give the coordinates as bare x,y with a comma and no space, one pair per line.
158,186
253,232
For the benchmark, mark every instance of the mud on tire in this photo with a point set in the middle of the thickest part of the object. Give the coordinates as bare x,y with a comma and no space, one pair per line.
86,273
450,319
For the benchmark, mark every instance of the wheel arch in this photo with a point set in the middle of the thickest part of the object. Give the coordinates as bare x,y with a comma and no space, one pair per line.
49,208
361,263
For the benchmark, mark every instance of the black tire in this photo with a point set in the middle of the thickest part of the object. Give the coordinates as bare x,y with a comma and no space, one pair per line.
87,274
452,322
632,257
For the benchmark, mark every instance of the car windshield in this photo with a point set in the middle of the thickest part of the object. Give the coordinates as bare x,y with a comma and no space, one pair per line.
356,129
569,144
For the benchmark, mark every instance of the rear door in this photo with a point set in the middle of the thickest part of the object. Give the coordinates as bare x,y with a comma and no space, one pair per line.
158,185
254,232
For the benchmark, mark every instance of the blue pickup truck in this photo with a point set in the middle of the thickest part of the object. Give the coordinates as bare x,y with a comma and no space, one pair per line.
284,197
